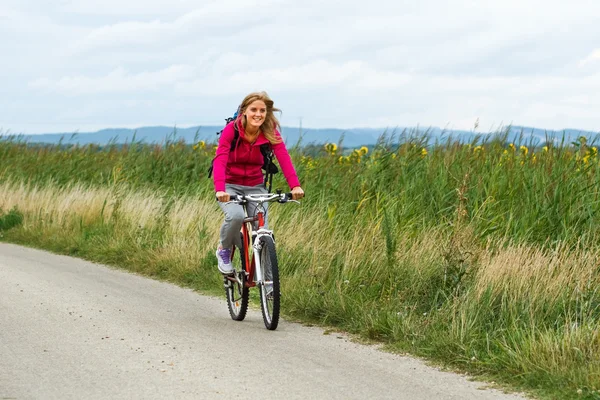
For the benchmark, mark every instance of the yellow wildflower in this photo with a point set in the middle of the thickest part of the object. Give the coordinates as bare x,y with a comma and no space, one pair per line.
546,148
423,152
344,160
512,147
331,148
524,150
363,150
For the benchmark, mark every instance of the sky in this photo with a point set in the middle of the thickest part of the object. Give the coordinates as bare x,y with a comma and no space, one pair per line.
84,65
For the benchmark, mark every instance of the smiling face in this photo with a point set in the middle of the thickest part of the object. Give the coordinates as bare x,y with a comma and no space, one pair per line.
255,114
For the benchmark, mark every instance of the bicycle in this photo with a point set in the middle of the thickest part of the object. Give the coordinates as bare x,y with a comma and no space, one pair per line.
257,265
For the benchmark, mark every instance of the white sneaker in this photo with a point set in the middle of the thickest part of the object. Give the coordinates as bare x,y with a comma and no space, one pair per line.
224,259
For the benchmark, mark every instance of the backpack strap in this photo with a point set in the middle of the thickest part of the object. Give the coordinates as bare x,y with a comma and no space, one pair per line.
268,166
236,136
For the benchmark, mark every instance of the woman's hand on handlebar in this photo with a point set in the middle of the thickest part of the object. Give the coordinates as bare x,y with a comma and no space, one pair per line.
297,193
223,197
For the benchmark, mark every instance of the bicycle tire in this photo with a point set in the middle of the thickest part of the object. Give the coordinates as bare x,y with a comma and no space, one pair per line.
237,295
270,300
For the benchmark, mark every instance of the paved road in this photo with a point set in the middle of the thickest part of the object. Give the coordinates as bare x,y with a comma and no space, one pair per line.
71,329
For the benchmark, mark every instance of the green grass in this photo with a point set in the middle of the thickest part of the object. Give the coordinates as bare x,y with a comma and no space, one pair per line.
482,257
10,219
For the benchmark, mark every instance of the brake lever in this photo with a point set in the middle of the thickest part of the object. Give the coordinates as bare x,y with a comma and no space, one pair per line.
287,201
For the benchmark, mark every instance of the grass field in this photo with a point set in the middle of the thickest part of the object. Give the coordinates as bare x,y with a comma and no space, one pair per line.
482,256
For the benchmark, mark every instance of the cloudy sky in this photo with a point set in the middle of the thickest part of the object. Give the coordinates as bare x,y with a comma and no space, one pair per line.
81,65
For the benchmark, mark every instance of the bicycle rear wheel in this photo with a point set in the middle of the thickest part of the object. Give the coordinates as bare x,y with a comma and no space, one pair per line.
235,289
270,296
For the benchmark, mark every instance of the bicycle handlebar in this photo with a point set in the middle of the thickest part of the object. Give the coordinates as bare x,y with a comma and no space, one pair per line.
262,198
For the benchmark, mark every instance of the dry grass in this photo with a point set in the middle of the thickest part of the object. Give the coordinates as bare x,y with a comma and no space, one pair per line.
526,272
50,205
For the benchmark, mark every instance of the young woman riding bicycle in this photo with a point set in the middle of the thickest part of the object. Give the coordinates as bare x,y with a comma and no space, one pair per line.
237,169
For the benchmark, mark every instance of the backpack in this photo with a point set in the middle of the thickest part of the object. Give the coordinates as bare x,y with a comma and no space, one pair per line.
268,167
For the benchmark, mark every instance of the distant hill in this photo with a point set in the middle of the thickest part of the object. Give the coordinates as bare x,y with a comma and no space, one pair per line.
351,137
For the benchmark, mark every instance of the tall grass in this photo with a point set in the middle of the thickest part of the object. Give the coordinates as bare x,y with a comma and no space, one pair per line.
482,255
526,194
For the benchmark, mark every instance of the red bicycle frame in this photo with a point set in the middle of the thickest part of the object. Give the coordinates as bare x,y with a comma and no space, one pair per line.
247,245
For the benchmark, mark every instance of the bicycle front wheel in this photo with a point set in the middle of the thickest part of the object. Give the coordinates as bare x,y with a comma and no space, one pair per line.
270,295
235,289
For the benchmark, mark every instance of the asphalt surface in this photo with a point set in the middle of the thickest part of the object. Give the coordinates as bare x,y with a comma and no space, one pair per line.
71,329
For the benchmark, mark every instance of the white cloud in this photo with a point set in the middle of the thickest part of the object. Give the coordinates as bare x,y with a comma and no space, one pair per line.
226,17
117,81
317,75
399,62
321,74
125,33
5,13
592,58
126,8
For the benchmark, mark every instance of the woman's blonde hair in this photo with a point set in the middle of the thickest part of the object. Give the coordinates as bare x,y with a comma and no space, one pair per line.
271,122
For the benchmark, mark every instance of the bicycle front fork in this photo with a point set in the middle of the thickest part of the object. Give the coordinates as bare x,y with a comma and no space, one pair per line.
256,248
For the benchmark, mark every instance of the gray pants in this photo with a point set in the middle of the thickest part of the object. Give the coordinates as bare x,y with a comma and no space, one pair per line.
234,214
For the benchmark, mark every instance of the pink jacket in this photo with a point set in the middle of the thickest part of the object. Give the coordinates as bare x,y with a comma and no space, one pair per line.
242,166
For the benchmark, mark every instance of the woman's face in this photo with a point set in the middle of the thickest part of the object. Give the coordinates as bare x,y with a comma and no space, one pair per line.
255,113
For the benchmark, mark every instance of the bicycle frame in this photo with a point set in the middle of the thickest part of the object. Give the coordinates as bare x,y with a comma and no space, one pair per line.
254,273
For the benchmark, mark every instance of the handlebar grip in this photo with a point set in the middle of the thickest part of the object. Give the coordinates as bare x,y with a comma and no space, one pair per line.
232,197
